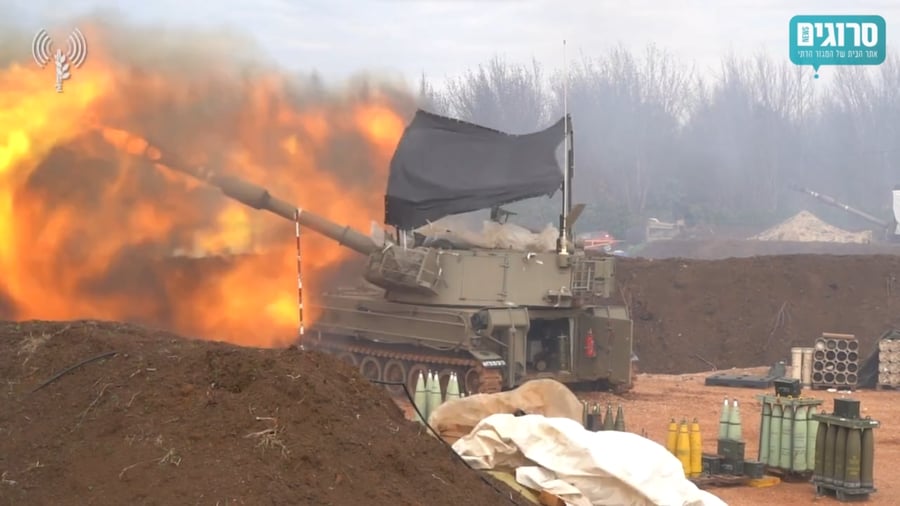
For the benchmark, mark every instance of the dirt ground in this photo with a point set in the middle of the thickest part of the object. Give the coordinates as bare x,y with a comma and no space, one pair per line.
690,315
719,248
657,398
173,421
168,420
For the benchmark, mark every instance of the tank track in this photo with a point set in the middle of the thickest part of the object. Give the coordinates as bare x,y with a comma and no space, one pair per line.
382,364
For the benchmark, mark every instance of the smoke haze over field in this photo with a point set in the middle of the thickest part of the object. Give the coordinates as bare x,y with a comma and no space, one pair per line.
653,138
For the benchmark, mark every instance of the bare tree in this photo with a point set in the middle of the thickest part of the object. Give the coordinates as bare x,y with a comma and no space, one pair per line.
627,111
655,139
500,95
430,99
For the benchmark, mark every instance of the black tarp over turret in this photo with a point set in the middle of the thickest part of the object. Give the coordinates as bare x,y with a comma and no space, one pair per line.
444,166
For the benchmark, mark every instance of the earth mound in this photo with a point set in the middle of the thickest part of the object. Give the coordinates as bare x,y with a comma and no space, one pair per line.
693,315
719,248
807,227
164,420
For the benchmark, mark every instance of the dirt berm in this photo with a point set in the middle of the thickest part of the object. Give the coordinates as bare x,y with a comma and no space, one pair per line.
169,421
745,312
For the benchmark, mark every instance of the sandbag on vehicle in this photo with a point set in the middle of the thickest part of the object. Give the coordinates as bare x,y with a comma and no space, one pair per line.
547,397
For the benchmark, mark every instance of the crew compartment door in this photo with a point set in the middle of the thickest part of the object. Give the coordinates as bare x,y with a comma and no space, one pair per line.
612,332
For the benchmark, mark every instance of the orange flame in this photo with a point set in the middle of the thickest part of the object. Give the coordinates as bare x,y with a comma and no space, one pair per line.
91,232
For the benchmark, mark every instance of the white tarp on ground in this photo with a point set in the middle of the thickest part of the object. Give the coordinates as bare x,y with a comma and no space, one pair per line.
582,467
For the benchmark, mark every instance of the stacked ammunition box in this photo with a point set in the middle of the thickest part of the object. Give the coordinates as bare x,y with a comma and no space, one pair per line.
889,363
845,449
835,361
730,447
732,456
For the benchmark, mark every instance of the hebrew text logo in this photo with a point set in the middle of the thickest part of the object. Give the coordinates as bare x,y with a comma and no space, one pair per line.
837,40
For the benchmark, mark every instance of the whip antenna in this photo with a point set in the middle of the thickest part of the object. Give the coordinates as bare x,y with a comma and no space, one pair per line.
564,217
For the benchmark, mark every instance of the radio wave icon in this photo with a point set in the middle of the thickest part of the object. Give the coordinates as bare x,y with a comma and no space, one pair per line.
41,48
77,48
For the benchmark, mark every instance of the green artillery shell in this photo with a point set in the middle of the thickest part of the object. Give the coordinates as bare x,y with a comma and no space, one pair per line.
421,398
830,440
735,429
854,458
619,424
812,432
787,437
821,432
723,419
609,422
775,436
840,456
867,465
765,422
799,450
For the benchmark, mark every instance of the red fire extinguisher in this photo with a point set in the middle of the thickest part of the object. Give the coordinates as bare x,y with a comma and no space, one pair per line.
589,350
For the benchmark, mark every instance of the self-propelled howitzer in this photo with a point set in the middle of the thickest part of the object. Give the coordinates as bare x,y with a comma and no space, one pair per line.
496,316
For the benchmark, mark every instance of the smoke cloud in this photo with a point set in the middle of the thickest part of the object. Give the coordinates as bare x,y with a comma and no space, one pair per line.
105,225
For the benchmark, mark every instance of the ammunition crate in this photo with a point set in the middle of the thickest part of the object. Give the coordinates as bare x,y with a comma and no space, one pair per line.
754,469
846,469
731,449
835,362
732,466
787,387
846,408
711,463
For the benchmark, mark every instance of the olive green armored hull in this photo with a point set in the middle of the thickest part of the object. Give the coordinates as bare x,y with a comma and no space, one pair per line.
495,318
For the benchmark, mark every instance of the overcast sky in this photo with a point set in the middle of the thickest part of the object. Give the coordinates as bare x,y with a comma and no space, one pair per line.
446,37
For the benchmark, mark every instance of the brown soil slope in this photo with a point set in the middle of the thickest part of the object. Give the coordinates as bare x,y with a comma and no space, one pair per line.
173,421
745,312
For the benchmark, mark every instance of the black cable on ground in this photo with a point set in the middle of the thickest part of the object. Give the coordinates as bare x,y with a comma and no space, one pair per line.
438,436
67,370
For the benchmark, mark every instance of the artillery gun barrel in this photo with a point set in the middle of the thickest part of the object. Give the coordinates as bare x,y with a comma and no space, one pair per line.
840,205
257,197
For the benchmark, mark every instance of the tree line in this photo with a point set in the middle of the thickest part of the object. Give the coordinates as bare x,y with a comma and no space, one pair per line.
655,138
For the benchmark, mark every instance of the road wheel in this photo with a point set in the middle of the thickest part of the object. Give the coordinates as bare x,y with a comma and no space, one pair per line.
395,371
370,368
348,357
472,381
